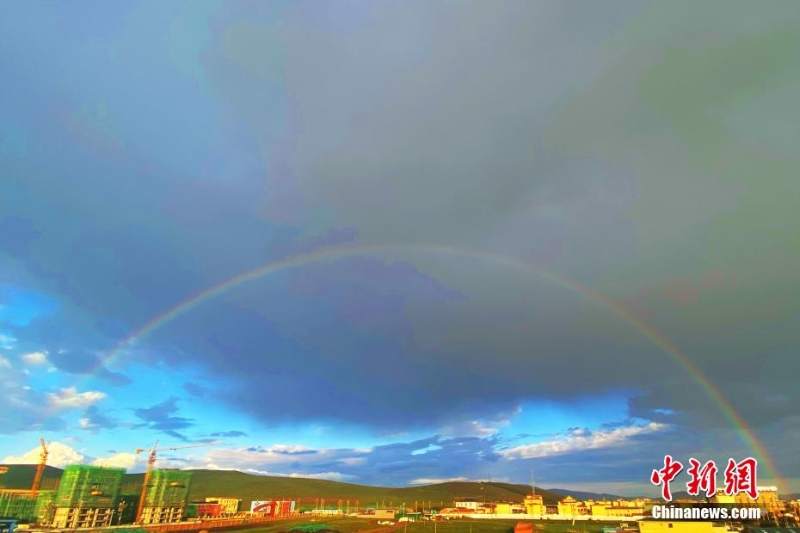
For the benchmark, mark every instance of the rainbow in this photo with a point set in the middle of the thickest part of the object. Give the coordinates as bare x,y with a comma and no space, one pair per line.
341,252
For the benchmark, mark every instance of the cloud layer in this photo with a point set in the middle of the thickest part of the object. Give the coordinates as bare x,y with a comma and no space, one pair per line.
554,187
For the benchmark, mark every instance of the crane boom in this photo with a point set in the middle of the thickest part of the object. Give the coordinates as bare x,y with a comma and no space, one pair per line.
37,479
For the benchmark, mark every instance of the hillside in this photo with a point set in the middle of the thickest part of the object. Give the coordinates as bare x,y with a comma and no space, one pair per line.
21,477
248,487
581,495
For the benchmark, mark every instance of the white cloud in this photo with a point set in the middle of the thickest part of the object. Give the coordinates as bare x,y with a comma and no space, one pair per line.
59,455
34,358
278,460
579,440
284,448
242,458
119,460
330,476
7,341
434,480
422,451
252,471
70,398
467,429
352,461
4,363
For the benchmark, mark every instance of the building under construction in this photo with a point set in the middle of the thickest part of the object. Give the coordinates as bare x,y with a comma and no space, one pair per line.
165,498
25,505
86,497
126,508
20,504
45,506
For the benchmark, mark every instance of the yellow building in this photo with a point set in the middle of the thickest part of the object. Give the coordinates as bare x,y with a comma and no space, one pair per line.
767,499
721,497
607,509
508,508
627,504
680,526
230,506
569,506
502,508
534,505
793,506
471,505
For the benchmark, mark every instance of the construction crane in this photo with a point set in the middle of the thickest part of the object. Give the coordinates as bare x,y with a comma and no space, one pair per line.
151,460
37,479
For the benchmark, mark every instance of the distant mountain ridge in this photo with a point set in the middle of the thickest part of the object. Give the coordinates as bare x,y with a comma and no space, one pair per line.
249,487
684,495
21,477
582,495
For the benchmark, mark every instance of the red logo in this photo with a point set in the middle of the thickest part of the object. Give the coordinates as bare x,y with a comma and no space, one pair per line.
664,476
739,477
704,478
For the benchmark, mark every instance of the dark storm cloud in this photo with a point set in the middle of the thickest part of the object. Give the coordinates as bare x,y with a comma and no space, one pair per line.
196,390
94,420
73,344
427,122
620,147
84,363
16,234
229,434
299,452
160,417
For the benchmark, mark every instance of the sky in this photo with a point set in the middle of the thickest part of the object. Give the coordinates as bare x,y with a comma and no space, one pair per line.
399,242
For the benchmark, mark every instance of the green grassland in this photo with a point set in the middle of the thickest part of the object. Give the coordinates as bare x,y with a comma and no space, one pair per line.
355,525
248,487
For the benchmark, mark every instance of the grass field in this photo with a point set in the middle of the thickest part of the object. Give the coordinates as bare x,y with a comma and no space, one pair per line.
356,525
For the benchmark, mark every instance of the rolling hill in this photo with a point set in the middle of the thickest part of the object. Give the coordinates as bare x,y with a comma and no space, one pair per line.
21,477
581,495
248,487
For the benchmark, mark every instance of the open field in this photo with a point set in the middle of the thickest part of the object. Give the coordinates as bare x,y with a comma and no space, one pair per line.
356,525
